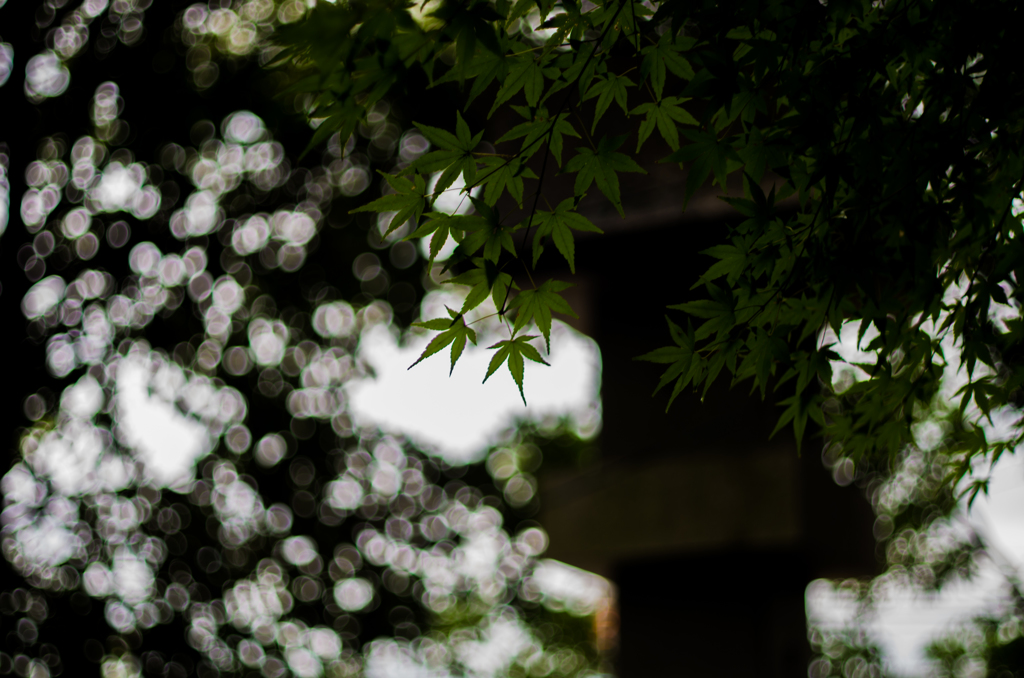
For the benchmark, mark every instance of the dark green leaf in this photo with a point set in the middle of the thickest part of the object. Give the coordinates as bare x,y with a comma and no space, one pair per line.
537,305
559,225
601,167
514,350
454,332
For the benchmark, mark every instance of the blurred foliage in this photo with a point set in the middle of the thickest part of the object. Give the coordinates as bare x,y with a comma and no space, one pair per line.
928,546
846,653
187,493
988,647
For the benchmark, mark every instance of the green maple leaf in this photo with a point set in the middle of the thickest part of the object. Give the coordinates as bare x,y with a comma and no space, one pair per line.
525,74
407,202
764,350
707,154
758,154
483,280
434,161
664,115
532,130
514,350
562,127
572,22
537,305
455,156
538,128
341,118
609,88
581,70
487,232
485,67
504,175
453,331
376,73
798,408
442,225
601,167
720,311
732,263
520,9
469,24
682,367
559,226
665,54
413,46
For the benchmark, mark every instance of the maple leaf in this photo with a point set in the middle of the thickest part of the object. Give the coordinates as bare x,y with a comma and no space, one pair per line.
441,226
485,67
525,74
665,54
732,263
720,311
434,161
504,175
454,331
536,129
608,88
533,130
407,202
601,167
559,225
483,280
514,350
469,24
569,23
341,118
664,115
799,407
520,9
562,127
455,156
707,154
759,153
488,233
681,368
582,69
537,305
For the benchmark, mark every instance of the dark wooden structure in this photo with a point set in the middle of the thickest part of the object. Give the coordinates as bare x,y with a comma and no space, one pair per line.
710,531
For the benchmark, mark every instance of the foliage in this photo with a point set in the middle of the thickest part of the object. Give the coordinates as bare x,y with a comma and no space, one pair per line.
990,646
875,146
878,145
185,490
844,653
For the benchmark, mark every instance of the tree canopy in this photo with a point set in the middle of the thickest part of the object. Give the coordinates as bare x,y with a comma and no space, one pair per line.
877,145
167,245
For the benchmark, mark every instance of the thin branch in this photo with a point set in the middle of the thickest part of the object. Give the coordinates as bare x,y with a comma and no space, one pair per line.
547,150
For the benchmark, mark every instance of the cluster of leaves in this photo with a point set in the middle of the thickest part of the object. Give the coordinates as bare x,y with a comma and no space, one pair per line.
887,134
844,653
991,646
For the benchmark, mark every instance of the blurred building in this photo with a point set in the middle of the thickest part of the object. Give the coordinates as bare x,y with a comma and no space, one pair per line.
710,531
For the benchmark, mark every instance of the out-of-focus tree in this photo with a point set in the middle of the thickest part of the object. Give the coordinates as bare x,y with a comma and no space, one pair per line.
845,652
928,543
184,299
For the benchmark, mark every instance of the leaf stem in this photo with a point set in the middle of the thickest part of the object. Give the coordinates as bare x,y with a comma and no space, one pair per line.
547,150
